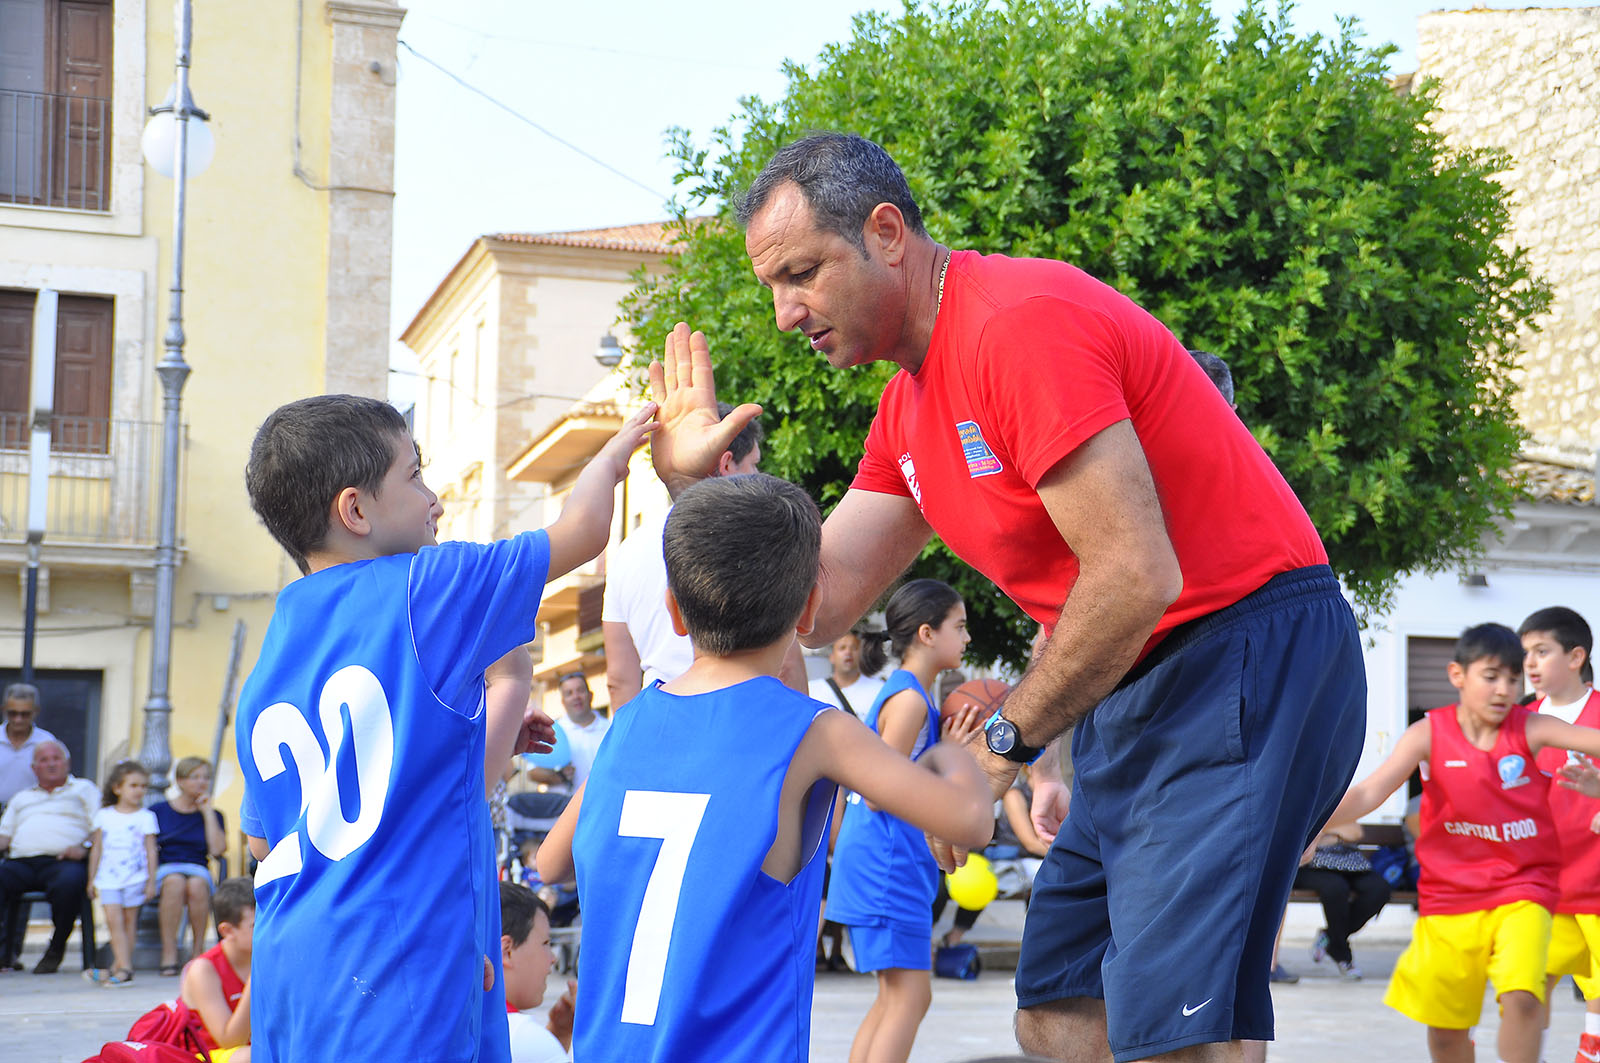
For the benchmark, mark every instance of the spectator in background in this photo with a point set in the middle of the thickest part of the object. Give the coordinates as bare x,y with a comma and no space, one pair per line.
1350,890
847,687
582,727
641,646
47,827
21,701
191,835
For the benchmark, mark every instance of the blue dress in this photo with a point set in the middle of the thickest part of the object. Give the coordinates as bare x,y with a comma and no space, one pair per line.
690,950
361,741
883,873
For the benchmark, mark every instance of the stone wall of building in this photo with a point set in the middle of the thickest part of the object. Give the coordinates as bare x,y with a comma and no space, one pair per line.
1528,81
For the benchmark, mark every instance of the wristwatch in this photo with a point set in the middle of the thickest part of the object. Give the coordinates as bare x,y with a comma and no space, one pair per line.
1006,741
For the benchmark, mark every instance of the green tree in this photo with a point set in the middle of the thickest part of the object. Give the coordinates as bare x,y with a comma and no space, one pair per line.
1270,198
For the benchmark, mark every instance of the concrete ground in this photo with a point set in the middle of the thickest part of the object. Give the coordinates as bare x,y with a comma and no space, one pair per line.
61,1018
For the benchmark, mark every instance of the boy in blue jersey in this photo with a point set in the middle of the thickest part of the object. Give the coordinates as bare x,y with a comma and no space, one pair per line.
363,732
697,840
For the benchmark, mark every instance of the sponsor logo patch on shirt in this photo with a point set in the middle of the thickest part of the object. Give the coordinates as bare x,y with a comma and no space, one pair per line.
981,461
1511,773
909,471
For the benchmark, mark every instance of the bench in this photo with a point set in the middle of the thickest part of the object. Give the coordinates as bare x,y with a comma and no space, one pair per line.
1374,836
14,924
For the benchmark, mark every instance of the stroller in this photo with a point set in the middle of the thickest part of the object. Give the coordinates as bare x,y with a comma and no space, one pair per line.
529,817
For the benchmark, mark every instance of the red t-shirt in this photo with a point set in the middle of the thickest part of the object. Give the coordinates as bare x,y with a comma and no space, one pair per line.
1030,358
1572,812
1487,834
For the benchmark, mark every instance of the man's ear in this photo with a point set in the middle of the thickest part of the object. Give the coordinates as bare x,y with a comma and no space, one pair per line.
808,615
349,512
507,946
885,230
677,617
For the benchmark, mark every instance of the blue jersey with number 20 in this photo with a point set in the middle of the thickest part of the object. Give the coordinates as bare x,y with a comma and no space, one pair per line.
690,950
361,740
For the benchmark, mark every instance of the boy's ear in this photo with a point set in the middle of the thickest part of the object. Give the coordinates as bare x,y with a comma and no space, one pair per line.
1579,657
507,946
808,615
1457,674
226,930
348,512
677,617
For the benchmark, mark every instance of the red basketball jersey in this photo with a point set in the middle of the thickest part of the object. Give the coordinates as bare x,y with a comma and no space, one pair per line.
1488,837
1572,812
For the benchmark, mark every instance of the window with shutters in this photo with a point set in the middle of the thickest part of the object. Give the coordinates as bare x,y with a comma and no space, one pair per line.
82,420
55,103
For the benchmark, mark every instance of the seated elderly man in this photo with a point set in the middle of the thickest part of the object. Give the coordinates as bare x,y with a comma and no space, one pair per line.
47,829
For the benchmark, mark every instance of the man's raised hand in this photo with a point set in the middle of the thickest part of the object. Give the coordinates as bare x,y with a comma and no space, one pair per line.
691,439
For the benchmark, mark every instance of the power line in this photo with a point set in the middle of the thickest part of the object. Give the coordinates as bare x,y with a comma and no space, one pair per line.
519,116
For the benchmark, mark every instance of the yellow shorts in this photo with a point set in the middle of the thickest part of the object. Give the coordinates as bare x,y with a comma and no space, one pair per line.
1574,942
1439,979
223,1055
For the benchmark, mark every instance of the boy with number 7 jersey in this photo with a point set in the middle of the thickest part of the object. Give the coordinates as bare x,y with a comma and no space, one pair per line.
698,839
1487,847
362,736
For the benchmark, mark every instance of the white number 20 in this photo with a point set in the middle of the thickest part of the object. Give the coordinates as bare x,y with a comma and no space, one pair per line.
675,819
281,726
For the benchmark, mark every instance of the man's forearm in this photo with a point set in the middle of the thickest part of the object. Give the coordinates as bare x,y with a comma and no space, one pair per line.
1107,619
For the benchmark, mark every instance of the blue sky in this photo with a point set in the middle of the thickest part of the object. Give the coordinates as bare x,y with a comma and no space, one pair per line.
609,79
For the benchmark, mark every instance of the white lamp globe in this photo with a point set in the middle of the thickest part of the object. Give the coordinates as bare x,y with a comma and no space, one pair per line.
160,141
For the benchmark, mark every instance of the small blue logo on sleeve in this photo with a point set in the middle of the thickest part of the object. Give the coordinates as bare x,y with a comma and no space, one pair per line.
1511,773
981,461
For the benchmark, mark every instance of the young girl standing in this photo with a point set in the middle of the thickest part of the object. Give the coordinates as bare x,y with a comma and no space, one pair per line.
884,877
122,864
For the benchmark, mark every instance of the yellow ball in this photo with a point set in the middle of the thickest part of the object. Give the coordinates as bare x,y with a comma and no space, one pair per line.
972,885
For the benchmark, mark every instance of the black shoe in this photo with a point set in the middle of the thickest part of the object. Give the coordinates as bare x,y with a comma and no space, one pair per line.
50,961
11,965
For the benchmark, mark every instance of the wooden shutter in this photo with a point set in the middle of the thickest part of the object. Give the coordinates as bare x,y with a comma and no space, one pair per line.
82,87
83,375
16,355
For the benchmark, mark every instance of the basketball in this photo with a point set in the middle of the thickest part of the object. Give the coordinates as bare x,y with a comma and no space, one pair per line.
972,885
987,694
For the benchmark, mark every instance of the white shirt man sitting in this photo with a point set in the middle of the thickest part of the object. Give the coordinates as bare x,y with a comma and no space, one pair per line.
47,828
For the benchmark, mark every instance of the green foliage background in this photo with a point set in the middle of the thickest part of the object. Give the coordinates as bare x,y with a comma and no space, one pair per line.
1270,198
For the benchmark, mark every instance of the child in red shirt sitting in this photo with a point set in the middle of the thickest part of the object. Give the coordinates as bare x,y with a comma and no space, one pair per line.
216,984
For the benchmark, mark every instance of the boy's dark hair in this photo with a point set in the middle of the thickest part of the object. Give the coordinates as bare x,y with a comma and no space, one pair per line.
1494,642
518,906
922,601
306,452
748,436
1221,376
123,769
742,555
233,897
1566,627
843,178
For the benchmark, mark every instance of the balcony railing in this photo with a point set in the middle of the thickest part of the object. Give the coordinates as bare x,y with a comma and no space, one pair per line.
105,481
55,150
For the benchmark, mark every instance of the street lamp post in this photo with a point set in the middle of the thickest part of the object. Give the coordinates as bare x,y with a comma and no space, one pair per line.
168,142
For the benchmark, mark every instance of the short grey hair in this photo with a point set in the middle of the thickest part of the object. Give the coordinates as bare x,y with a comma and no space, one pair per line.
22,692
843,178
47,743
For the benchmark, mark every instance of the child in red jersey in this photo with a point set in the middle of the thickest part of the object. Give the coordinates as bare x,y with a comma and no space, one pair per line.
1488,850
1556,643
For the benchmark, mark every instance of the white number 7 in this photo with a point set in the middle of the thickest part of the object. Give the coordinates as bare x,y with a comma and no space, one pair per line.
675,819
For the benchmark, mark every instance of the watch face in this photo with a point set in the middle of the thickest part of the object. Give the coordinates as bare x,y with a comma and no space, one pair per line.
1002,736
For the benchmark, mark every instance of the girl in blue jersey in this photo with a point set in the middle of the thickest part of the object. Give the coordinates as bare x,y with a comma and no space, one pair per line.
884,877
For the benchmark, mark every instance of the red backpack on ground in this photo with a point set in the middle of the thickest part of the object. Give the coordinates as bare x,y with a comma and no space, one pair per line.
167,1033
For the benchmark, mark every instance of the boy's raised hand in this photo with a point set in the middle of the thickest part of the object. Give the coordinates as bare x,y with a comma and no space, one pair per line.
1582,777
692,438
620,447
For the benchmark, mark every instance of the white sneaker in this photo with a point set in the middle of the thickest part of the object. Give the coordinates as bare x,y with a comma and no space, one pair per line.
1349,971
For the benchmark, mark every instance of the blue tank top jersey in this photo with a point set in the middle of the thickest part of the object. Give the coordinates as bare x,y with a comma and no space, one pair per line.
690,950
361,741
882,870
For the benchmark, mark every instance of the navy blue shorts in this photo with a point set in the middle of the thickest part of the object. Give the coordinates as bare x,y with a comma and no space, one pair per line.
1199,781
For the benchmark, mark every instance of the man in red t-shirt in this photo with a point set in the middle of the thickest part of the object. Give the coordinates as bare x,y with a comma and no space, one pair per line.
1059,439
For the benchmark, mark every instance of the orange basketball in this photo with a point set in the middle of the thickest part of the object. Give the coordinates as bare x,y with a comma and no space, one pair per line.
987,694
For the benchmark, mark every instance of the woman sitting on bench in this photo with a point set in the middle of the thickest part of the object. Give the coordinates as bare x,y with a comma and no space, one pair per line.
1351,893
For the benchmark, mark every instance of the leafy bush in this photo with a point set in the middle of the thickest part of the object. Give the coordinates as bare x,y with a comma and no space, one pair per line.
1272,199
